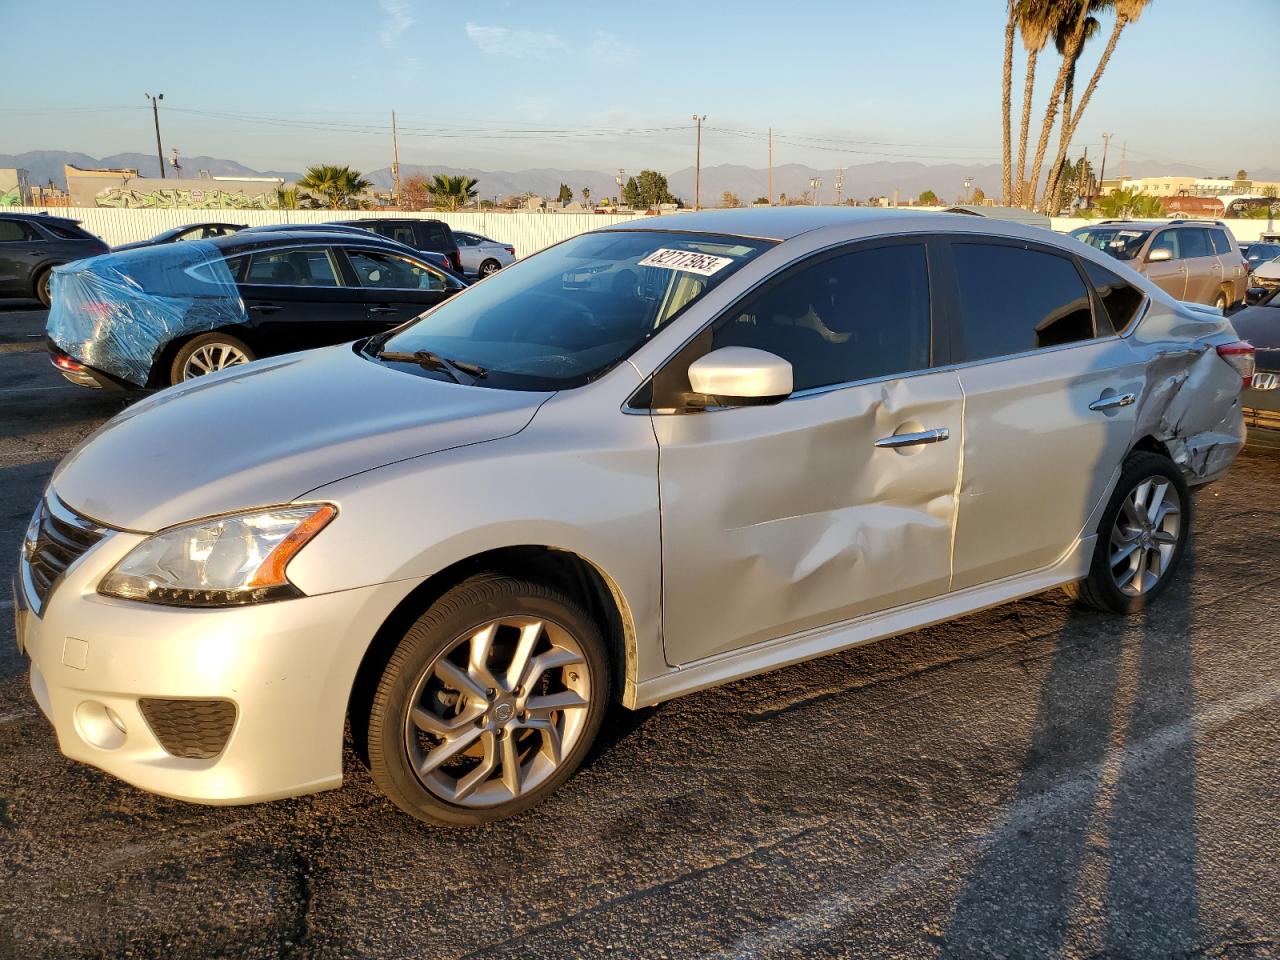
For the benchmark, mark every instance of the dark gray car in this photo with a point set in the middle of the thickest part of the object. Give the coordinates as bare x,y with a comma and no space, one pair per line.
32,245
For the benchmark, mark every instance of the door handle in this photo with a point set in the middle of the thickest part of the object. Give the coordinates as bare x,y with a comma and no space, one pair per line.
264,308
914,439
384,310
1113,402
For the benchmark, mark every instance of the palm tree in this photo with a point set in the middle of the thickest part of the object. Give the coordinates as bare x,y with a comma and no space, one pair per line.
339,186
450,193
1129,204
1127,12
1070,24
1062,42
1035,23
1006,97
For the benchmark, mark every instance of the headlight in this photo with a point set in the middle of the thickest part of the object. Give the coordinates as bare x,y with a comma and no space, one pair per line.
220,562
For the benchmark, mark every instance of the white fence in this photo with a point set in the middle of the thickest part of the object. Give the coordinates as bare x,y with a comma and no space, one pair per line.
528,232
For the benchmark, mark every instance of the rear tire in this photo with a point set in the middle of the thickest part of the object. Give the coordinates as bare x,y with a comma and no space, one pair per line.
1141,537
489,703
1222,301
208,353
487,268
42,287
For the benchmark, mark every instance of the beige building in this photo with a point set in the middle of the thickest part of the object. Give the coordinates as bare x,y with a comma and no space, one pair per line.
123,187
15,190
1191,186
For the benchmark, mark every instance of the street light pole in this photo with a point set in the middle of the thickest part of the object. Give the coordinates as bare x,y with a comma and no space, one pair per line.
155,115
697,166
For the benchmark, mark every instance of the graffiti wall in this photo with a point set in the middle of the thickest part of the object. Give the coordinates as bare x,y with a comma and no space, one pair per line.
11,198
195,198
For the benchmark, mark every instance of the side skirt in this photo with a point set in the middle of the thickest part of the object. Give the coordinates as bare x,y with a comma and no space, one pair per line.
784,651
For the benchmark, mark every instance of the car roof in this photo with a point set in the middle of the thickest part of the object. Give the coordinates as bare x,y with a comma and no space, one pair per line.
362,220
786,223
38,217
249,239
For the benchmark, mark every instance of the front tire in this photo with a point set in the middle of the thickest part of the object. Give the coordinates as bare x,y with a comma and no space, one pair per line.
1141,538
208,353
489,702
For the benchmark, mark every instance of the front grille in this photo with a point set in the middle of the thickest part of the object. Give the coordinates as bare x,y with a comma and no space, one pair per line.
57,538
194,729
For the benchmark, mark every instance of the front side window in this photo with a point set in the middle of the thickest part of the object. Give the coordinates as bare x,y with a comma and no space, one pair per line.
1167,240
574,311
386,271
856,316
1013,299
292,268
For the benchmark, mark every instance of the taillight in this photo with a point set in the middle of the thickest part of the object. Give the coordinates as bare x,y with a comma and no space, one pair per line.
456,257
510,250
1240,356
64,362
97,309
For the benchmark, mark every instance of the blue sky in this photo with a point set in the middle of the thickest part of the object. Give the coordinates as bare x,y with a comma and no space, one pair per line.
494,85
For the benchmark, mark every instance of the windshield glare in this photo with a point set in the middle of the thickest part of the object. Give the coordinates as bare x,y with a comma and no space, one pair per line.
572,312
1262,252
1116,241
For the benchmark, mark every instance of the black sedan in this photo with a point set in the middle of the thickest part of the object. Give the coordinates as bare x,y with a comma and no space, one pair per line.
188,231
160,315
31,245
1260,325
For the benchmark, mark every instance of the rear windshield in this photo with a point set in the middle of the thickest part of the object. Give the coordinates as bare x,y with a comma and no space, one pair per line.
572,312
1119,242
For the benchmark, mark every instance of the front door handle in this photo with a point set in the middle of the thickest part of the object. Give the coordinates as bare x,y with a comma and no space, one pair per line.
381,310
1113,402
914,439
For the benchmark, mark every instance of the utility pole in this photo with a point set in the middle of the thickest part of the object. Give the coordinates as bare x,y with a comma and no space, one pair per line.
395,158
173,162
1080,185
1124,154
621,181
771,166
814,184
1102,172
839,185
697,166
155,115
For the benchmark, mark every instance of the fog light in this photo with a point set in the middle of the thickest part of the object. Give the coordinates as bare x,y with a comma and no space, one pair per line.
100,726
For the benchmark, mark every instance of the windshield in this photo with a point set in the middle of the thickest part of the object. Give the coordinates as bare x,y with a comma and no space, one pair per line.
571,313
1262,253
1118,242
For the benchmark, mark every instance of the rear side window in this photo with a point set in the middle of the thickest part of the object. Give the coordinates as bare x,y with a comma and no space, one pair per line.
857,316
67,231
12,231
1221,242
1013,300
1196,243
292,268
1120,301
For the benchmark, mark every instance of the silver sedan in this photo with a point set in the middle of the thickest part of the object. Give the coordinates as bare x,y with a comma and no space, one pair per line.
482,256
640,463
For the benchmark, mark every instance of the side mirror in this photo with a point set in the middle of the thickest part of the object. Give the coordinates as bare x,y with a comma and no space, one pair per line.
1158,254
741,376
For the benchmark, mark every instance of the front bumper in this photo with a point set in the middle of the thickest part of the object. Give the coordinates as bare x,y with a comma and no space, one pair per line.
1262,413
288,667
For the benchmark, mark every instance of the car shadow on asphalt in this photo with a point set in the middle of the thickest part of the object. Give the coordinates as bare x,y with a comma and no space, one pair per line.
1104,790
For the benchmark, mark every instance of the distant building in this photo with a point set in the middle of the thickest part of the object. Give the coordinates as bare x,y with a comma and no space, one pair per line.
15,190
122,187
1190,186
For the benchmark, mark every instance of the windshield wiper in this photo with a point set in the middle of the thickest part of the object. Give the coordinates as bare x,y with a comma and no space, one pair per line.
458,370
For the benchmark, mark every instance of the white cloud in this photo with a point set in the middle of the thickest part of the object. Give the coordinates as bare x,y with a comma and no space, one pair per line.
521,44
399,18
610,48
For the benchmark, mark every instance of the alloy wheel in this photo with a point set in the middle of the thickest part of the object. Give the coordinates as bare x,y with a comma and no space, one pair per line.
211,357
487,268
1145,536
494,714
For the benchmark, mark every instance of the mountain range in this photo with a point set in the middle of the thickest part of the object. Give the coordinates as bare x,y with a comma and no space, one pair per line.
861,181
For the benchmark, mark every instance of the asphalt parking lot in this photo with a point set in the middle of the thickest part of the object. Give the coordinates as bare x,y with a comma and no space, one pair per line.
1035,780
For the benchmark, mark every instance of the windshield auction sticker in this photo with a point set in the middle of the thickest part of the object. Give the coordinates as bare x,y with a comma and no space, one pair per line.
690,262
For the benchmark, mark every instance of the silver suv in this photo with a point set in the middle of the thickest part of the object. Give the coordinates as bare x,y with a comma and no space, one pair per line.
648,460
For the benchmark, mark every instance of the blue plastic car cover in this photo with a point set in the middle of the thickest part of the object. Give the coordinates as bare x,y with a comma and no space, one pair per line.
117,312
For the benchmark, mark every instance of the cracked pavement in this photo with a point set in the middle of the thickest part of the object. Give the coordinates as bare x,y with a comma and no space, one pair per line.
1034,780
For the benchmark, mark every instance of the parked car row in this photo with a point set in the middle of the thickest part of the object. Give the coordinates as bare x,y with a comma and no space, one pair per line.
32,245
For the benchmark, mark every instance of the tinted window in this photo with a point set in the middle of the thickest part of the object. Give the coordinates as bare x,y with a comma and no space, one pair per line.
1259,253
66,231
292,268
401,232
1196,243
1221,242
436,236
1013,300
388,272
852,317
14,230
1167,240
1120,301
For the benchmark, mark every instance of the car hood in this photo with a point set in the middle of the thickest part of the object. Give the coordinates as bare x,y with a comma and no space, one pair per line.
1270,270
268,432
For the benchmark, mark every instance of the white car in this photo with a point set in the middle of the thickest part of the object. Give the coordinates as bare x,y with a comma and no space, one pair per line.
775,433
482,256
